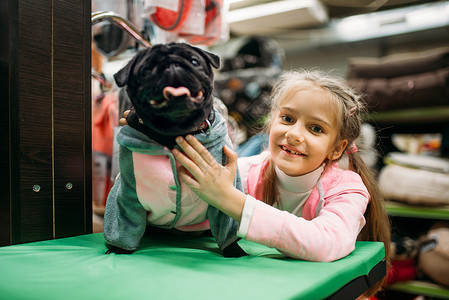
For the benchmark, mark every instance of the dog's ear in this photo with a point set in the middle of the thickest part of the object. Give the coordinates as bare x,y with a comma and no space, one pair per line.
213,59
122,76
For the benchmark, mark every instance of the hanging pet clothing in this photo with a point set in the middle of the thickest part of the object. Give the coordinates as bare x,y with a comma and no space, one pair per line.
213,27
196,22
169,18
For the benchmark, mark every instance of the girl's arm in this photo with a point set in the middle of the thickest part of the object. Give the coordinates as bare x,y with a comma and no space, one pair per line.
211,181
328,237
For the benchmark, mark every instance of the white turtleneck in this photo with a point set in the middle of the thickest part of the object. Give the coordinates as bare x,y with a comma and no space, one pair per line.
294,190
293,193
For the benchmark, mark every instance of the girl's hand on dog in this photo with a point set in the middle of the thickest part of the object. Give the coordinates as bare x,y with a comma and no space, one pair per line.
211,181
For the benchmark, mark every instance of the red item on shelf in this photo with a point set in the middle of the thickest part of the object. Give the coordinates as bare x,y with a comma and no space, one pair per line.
401,270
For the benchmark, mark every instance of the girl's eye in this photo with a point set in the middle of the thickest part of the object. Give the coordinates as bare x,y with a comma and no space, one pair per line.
287,119
317,129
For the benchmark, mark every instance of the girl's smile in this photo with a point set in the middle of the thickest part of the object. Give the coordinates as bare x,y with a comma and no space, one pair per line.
289,150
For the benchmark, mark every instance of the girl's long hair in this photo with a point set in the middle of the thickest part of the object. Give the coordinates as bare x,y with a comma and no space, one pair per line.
348,105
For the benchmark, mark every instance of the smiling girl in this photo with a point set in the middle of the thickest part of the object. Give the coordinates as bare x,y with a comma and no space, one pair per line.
297,199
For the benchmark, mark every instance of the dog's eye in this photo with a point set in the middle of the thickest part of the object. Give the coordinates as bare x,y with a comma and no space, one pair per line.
194,62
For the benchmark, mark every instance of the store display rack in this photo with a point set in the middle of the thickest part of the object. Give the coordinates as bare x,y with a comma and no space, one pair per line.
413,121
418,287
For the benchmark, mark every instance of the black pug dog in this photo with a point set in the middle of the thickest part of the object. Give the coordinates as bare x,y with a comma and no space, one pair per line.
170,87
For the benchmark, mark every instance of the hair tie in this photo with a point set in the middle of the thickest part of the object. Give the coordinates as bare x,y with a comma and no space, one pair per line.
352,111
352,149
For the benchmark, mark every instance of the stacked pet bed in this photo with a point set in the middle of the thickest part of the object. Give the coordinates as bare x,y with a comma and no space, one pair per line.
402,81
415,179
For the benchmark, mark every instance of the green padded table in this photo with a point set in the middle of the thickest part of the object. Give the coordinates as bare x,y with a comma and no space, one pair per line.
172,267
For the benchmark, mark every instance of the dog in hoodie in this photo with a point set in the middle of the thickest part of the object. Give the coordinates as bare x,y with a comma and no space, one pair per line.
170,87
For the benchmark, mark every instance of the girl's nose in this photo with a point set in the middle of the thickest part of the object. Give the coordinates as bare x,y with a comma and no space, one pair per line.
295,134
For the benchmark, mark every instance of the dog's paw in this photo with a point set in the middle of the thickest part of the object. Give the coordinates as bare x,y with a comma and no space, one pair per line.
117,250
234,250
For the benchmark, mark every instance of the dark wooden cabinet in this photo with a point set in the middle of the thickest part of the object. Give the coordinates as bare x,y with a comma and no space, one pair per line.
46,120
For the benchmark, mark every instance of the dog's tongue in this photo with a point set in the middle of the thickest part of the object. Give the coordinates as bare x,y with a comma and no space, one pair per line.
175,92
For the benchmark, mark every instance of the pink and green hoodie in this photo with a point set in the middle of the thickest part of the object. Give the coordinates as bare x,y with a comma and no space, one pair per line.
324,229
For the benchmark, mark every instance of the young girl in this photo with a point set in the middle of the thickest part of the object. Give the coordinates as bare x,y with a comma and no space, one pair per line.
309,207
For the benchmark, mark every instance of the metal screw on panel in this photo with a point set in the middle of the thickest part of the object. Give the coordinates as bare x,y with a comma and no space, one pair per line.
69,186
36,188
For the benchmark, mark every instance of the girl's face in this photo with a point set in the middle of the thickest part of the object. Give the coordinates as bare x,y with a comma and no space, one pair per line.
303,132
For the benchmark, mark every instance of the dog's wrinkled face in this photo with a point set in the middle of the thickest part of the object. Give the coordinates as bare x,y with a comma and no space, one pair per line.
170,86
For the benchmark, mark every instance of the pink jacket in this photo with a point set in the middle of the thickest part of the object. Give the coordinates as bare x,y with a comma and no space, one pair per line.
332,217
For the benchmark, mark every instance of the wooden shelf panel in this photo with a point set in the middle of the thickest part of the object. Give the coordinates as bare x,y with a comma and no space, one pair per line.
415,115
415,211
421,288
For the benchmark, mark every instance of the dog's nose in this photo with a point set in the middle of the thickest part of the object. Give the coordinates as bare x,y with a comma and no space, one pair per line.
167,66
